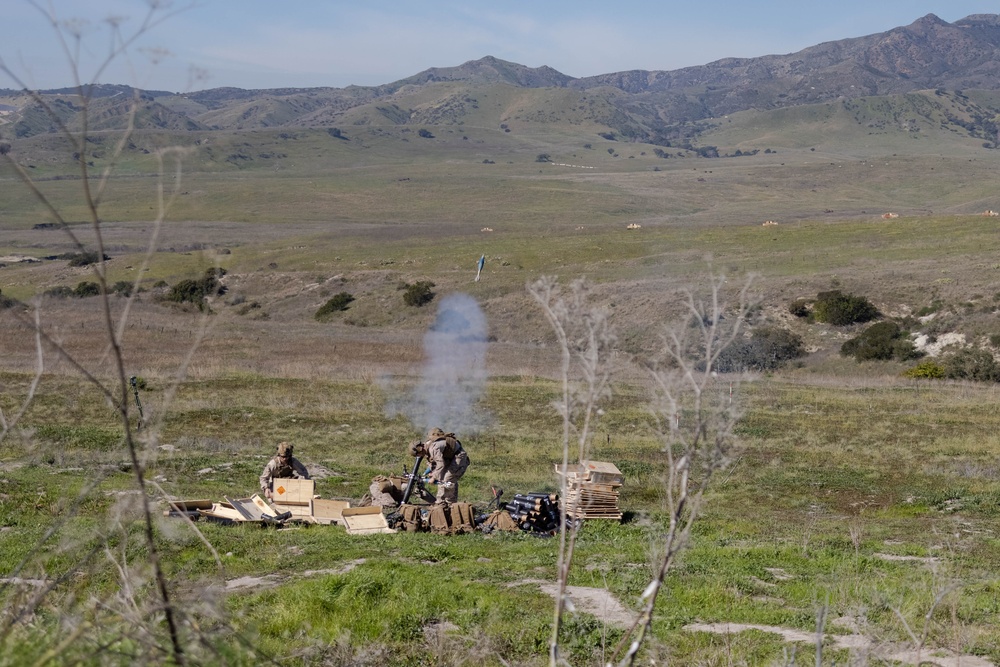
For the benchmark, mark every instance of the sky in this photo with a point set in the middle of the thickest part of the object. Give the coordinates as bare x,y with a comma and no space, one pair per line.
200,44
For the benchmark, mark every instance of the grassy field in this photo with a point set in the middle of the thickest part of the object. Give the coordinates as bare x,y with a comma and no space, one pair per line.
866,501
858,497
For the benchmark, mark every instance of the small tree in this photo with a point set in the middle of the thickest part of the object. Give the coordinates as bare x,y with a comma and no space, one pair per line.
418,294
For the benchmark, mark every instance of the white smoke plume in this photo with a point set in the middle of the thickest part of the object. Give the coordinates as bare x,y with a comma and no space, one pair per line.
454,375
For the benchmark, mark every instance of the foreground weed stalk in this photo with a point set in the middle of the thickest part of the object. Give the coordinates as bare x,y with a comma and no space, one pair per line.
585,339
696,419
92,191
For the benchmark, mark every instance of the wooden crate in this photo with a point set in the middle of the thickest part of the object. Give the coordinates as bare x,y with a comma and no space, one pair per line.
595,472
246,507
264,506
298,511
329,511
288,491
365,521
188,508
222,511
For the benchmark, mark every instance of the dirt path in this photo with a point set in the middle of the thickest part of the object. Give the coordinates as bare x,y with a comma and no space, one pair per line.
856,643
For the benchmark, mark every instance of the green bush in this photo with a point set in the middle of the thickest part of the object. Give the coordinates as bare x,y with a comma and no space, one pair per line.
925,370
337,303
86,288
122,287
800,308
418,294
8,302
195,291
969,364
768,348
881,341
85,258
835,307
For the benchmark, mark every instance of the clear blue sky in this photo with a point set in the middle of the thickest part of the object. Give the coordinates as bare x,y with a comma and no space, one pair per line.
302,43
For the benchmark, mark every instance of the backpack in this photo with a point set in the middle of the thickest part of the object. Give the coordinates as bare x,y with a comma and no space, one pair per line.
500,520
439,519
451,519
413,521
463,520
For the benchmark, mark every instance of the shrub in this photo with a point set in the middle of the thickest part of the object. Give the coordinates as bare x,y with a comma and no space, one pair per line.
122,287
925,370
767,348
418,294
59,292
837,308
86,288
800,308
195,291
8,302
336,303
880,341
85,258
935,306
253,305
969,364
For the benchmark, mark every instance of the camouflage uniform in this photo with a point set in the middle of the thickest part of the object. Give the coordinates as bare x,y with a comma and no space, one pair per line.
282,466
449,462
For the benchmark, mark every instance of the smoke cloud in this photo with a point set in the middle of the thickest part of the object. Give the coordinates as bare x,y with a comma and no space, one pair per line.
453,379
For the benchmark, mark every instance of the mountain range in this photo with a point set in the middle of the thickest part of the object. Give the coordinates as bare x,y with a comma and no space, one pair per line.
641,105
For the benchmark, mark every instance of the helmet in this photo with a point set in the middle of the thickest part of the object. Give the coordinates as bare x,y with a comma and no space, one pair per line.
415,449
285,449
435,434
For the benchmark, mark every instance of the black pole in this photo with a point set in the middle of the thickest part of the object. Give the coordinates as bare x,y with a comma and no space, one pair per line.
135,392
413,481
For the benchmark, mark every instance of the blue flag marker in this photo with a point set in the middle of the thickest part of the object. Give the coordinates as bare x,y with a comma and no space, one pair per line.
482,260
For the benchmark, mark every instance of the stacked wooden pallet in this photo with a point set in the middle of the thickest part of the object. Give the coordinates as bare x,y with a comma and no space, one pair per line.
592,490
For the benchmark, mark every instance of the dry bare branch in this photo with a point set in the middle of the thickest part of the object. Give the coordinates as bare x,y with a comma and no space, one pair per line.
696,417
584,338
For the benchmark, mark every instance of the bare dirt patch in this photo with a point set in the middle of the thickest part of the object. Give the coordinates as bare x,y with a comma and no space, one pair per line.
595,601
272,580
855,643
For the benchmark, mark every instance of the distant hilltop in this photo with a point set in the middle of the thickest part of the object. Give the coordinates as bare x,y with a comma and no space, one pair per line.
928,55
